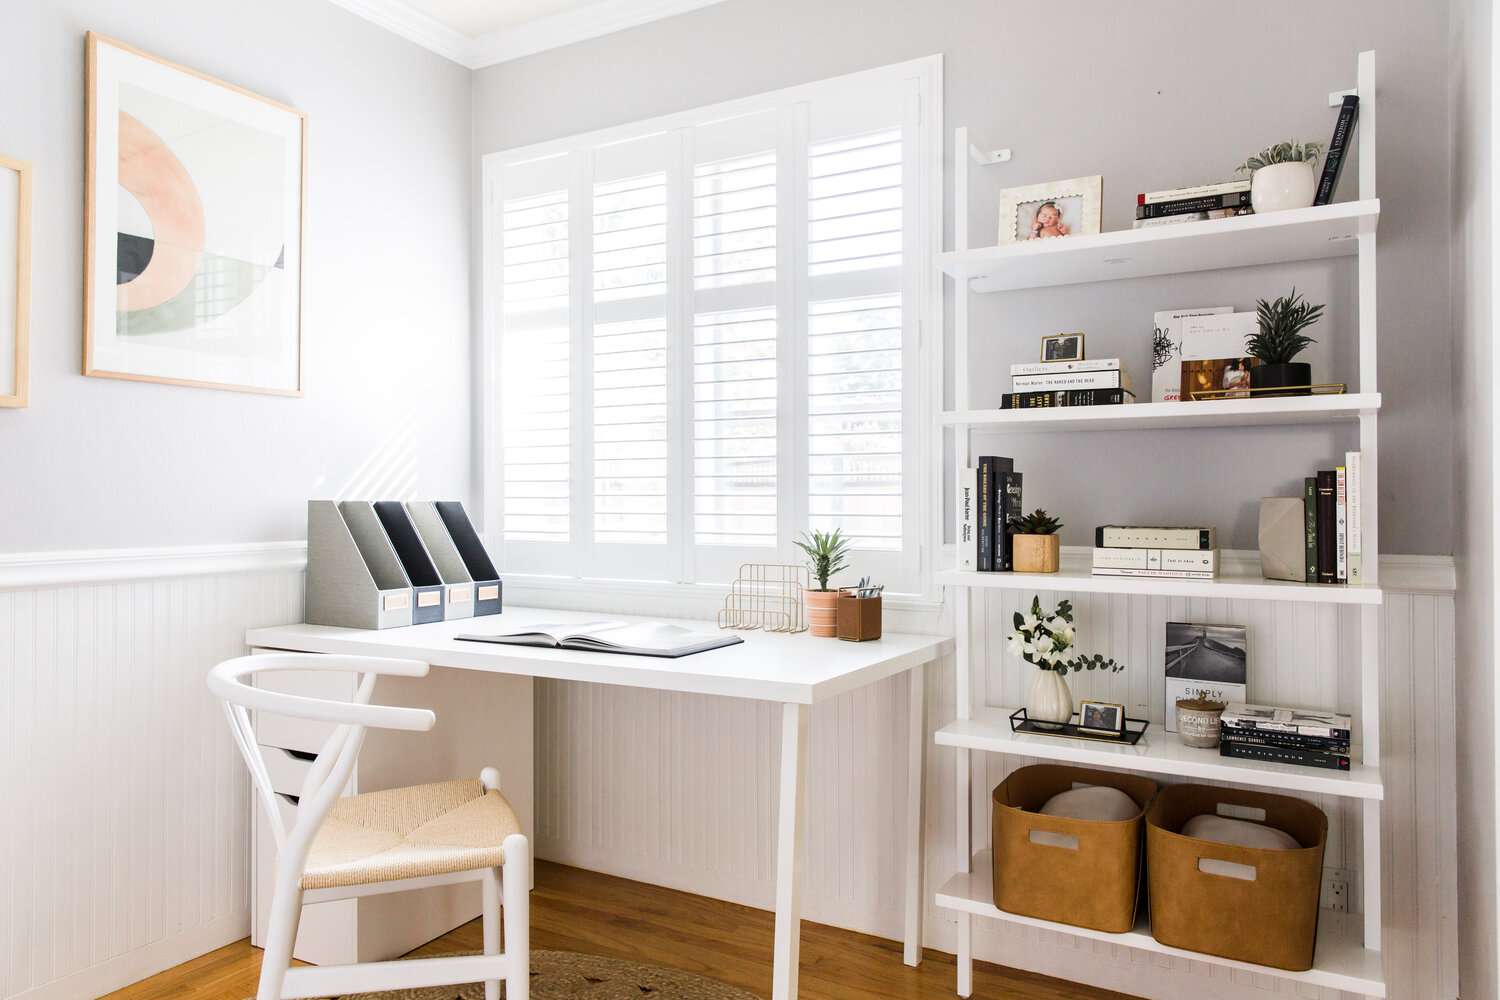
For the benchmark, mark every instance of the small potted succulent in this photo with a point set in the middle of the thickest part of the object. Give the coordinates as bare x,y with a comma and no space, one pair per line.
1283,176
1044,641
825,552
1278,341
1035,542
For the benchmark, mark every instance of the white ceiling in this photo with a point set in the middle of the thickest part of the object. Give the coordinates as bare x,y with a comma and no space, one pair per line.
479,33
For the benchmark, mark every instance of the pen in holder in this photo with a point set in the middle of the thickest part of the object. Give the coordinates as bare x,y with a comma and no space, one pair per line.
859,612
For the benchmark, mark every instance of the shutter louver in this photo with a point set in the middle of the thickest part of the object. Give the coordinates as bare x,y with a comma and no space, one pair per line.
734,428
630,432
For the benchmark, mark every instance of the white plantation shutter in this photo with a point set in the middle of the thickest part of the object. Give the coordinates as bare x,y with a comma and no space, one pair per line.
708,336
534,372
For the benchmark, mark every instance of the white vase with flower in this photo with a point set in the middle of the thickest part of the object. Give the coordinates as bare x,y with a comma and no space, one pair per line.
1044,641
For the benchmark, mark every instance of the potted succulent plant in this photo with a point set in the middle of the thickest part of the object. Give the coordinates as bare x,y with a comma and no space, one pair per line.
1282,176
825,556
1036,547
1044,641
1278,341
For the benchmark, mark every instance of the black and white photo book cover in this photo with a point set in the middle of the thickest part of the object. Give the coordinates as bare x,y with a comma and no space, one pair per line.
1204,661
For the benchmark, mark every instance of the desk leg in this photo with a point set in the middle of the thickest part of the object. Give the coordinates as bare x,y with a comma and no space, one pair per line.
790,851
916,780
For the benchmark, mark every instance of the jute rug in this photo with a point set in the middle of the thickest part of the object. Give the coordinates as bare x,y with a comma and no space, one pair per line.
556,975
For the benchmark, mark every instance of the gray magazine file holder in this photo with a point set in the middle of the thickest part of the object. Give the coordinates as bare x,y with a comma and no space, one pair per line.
427,585
488,589
353,576
450,566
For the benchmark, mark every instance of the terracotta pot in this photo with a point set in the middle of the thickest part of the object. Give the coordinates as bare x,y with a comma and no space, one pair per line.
822,611
1051,701
1036,553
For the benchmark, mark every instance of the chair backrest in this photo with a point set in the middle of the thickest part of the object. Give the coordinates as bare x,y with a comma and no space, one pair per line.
335,761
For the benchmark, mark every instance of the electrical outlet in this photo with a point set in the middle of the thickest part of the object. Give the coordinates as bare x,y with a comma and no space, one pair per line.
1335,890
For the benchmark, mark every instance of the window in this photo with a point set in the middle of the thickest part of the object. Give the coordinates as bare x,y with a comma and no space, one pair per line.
703,332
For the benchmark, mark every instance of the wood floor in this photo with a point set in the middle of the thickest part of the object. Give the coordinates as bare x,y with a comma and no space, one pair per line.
575,910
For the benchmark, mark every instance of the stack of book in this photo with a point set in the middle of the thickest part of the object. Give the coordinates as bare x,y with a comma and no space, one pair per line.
1334,542
1157,553
1192,204
1285,736
1067,383
989,497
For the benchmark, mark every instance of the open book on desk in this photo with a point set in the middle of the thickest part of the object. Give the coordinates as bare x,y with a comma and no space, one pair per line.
635,638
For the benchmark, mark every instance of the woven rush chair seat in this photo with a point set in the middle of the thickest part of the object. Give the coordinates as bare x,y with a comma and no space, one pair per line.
423,830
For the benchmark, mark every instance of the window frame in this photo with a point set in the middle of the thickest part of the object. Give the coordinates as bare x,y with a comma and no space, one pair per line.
920,83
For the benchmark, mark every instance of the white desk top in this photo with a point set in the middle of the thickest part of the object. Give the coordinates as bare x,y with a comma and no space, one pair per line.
766,666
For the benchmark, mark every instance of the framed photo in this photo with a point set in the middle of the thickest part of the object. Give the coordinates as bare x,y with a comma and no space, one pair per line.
1103,718
1204,661
15,279
1063,347
1230,377
194,204
1057,208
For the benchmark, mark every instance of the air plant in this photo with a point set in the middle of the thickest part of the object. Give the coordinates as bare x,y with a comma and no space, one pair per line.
1282,152
1280,337
1038,522
825,552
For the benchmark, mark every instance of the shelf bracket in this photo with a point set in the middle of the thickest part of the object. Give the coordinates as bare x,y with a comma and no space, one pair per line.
989,159
1336,98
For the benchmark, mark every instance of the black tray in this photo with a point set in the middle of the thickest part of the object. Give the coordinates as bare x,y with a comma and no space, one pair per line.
1019,723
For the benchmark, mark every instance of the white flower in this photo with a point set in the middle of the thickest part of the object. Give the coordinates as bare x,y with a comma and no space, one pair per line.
1017,644
1030,622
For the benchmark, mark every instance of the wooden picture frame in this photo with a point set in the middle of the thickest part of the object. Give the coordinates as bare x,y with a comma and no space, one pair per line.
163,353
15,327
1076,202
1108,709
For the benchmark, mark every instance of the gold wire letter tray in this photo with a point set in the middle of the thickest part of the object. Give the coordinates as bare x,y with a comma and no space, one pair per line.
766,596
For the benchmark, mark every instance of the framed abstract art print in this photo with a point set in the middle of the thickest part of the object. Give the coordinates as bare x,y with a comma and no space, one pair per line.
15,278
194,203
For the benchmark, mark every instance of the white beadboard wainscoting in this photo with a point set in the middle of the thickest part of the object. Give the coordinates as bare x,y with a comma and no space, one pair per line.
127,852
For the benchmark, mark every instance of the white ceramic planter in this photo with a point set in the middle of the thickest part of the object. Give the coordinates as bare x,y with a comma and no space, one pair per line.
1050,703
1283,185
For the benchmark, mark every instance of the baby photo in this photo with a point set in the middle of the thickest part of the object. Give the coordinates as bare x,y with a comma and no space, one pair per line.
1038,220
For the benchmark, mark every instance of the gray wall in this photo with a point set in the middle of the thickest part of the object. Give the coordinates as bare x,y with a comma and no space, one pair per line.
99,462
1474,376
1149,94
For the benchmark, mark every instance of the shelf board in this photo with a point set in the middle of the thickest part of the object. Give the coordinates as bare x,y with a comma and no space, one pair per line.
1175,416
1244,241
1341,961
1158,752
1230,586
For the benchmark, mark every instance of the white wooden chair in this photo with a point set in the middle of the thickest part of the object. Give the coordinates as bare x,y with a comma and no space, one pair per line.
387,841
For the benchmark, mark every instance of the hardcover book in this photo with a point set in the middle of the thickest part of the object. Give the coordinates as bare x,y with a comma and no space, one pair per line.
1310,512
984,523
1355,544
1204,661
1155,574
1301,721
1201,203
965,517
1327,546
1340,526
1199,191
1065,397
1053,367
1054,382
1166,350
1270,738
1010,485
1180,560
1286,755
1121,536
1338,149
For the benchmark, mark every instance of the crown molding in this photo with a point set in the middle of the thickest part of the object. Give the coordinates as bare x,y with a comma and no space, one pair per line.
601,18
425,30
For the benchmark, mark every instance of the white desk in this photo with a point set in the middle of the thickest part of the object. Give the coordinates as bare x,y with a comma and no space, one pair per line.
795,670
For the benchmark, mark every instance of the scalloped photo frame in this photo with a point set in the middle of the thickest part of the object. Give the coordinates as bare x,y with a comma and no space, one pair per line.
1056,208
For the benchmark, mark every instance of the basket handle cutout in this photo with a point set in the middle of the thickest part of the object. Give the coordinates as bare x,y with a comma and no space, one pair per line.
1049,838
1226,869
1253,813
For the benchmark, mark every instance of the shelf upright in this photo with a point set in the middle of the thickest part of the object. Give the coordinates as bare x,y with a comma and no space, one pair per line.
1353,960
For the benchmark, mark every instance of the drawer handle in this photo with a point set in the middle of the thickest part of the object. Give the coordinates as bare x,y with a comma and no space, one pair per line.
293,799
303,755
